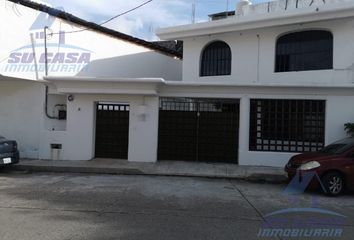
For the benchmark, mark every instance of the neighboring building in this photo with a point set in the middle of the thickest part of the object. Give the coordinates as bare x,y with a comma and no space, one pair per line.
74,48
257,87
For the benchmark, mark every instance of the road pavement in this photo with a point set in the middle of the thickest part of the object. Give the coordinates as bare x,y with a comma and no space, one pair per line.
97,207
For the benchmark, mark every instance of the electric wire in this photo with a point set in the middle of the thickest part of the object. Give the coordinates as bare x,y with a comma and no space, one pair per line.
109,20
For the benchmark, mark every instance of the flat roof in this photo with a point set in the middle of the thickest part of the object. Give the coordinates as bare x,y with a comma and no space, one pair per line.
277,13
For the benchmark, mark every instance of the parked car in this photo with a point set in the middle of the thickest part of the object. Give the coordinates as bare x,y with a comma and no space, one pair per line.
334,166
9,153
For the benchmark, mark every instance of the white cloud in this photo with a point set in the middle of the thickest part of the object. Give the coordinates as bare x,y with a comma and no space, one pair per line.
141,22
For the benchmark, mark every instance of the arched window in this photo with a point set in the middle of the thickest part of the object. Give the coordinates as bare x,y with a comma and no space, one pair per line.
304,51
216,59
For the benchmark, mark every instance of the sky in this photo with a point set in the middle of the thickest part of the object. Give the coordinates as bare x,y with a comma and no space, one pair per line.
143,22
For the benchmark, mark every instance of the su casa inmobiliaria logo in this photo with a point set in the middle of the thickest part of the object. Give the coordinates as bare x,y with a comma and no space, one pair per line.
305,222
61,56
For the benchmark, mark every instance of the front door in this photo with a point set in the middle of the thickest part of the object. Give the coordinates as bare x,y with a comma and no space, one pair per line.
112,130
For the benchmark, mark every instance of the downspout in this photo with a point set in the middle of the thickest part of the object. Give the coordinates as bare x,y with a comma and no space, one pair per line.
37,78
46,104
258,56
45,51
46,74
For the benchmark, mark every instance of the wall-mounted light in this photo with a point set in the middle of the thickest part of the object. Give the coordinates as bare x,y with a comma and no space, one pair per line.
71,98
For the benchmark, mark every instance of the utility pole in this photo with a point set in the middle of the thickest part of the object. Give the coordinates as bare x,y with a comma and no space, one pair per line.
34,55
193,11
45,51
227,8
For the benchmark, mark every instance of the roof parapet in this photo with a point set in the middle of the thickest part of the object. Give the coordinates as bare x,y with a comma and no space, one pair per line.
282,5
269,14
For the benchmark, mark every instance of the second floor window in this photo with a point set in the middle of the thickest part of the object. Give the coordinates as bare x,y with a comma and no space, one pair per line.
216,60
304,51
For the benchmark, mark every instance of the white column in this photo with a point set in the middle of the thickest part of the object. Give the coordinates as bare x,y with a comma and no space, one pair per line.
244,129
143,129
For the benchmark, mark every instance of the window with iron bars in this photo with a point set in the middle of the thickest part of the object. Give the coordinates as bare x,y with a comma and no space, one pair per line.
216,60
304,51
287,125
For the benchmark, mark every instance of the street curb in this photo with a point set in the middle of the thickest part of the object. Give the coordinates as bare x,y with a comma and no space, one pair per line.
256,177
57,169
267,178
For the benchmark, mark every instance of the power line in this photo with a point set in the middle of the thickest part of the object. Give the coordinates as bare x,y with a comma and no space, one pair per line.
131,10
111,19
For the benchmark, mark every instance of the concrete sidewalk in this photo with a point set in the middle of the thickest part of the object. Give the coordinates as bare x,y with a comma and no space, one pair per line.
164,168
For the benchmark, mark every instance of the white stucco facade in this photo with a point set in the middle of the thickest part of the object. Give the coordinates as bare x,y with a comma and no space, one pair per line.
338,111
140,77
252,37
21,108
79,52
72,49
79,139
254,56
254,63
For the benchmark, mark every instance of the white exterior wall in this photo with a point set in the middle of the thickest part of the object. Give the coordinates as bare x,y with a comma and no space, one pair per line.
261,80
336,117
22,102
339,111
253,56
113,52
139,65
78,141
21,108
21,105
253,63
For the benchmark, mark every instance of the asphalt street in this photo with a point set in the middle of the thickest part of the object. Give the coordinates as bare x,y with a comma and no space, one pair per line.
98,207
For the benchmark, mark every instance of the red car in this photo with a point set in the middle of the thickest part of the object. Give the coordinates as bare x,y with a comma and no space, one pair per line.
333,167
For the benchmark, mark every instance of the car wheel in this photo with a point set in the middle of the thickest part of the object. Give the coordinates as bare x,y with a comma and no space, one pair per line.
333,184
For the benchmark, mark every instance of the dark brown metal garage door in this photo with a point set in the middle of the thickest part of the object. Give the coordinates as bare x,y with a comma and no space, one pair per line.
204,130
112,130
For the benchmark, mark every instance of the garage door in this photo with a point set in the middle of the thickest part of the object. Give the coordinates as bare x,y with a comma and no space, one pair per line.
204,130
112,130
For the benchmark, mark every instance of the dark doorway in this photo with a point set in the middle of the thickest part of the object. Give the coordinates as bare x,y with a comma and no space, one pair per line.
112,130
204,130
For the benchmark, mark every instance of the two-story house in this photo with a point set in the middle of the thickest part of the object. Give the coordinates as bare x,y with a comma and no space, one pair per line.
260,85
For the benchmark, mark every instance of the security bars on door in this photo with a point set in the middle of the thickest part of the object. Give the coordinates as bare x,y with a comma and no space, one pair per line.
112,130
201,105
287,125
193,129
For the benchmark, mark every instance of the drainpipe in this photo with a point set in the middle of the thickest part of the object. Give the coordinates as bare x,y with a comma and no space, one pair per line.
46,104
46,74
45,51
258,56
